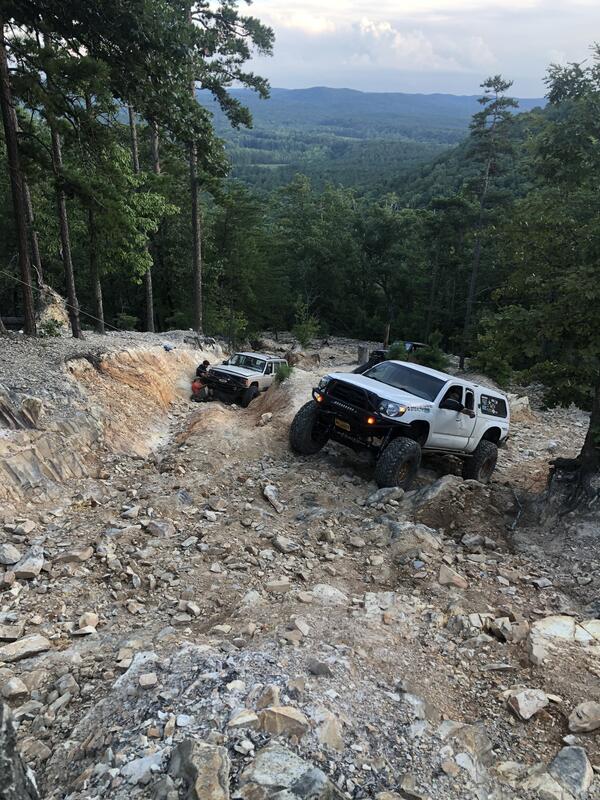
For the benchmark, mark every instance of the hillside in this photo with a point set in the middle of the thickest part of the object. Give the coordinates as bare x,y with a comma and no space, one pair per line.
343,135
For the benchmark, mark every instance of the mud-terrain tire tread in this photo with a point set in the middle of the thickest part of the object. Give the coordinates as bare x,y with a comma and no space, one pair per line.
301,440
472,467
248,396
399,452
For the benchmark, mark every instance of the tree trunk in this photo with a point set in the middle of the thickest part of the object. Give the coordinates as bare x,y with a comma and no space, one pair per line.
155,150
386,335
95,273
154,147
432,293
476,264
574,481
16,185
65,236
135,157
3,330
36,257
590,452
196,242
471,296
196,219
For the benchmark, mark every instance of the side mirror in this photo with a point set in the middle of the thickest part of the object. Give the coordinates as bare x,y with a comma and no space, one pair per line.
225,363
451,405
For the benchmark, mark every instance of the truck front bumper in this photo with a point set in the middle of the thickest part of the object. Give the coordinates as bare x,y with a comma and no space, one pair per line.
355,427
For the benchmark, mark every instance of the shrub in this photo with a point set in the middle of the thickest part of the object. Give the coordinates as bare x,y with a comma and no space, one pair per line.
306,327
179,321
50,329
431,357
283,373
397,352
127,322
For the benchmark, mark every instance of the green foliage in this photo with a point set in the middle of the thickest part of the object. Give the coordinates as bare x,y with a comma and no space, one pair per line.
493,357
126,322
431,356
179,321
284,371
397,352
50,329
306,326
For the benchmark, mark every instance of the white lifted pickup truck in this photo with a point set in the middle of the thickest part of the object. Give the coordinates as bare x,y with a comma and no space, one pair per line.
243,376
399,410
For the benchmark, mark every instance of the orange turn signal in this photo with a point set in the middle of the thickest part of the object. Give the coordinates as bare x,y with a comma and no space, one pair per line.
371,420
319,398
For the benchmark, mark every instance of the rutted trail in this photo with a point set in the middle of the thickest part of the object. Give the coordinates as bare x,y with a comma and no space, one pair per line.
207,586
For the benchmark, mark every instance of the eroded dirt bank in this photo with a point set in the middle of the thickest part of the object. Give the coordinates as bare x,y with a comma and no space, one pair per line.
205,615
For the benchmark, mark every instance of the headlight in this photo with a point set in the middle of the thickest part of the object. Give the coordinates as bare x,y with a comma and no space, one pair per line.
391,409
324,381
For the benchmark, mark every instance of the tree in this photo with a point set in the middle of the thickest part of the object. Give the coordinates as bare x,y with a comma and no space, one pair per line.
489,140
223,40
135,158
9,121
396,256
547,321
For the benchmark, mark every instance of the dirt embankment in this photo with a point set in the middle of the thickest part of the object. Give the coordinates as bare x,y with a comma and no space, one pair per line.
82,401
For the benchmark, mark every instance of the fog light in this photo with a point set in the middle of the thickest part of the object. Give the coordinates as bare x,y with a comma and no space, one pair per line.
371,420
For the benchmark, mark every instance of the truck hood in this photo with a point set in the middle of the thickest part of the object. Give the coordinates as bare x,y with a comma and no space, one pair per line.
382,390
239,372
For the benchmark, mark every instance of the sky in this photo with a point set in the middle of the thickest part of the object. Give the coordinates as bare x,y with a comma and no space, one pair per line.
423,45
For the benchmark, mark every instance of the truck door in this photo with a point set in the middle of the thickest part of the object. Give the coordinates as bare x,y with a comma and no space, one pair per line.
452,428
267,380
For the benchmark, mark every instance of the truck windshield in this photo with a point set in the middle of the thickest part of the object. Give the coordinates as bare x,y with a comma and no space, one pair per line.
247,362
409,380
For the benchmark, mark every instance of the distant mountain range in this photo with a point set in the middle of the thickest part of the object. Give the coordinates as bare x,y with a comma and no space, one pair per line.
422,117
342,135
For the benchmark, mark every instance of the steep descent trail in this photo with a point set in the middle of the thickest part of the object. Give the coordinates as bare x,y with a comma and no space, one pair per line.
204,578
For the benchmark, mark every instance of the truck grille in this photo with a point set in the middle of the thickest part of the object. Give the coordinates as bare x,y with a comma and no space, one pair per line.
215,373
347,397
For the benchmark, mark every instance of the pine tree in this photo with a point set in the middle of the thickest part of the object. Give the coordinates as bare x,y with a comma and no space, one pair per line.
489,141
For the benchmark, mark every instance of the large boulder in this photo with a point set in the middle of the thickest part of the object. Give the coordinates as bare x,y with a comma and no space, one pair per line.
278,774
52,311
204,768
17,782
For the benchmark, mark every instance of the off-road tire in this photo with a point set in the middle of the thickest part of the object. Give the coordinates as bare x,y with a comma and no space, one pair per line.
301,430
248,396
398,464
481,465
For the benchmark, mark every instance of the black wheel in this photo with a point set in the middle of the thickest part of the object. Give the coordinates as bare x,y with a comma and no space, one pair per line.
248,396
307,436
398,464
481,465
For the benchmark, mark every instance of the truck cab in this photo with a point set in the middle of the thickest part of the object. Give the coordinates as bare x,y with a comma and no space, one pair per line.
404,408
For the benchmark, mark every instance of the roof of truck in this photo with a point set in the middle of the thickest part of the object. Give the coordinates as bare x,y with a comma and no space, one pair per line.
444,376
265,356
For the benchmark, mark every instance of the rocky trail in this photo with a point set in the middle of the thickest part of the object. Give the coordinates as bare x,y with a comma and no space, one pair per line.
187,610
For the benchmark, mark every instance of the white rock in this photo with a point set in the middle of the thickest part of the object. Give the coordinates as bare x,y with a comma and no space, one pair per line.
585,718
30,565
272,495
329,595
9,554
527,702
25,648
14,689
88,620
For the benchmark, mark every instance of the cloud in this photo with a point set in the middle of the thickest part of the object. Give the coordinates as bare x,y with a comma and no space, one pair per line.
423,45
